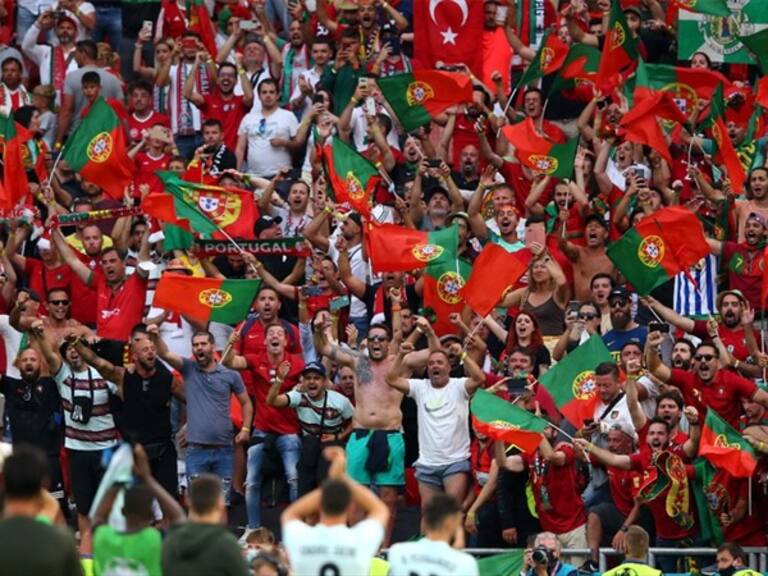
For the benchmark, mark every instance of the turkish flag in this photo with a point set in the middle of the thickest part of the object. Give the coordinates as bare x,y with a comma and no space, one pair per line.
448,31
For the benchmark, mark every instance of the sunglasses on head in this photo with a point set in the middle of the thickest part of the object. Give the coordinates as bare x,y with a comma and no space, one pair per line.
704,357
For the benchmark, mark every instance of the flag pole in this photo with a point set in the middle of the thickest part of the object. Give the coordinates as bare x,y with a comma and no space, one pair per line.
55,165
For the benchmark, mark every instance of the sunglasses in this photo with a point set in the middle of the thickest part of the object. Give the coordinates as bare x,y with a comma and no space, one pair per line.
59,302
619,303
377,338
704,357
587,316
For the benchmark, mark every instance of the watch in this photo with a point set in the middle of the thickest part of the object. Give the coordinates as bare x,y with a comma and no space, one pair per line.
624,529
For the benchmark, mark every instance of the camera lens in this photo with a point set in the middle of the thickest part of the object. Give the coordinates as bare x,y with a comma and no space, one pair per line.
540,555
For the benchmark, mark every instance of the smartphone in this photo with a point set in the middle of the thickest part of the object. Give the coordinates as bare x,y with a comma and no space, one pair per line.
658,327
434,163
573,306
248,25
536,232
370,106
517,386
362,82
318,99
146,27
395,47
338,303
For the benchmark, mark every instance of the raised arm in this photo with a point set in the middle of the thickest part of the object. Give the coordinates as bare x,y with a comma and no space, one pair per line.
669,315
51,356
105,368
395,376
230,359
691,445
274,398
332,351
174,360
70,258
635,411
622,461
652,359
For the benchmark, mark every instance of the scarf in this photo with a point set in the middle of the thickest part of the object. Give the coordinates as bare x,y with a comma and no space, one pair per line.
288,61
59,65
6,98
378,300
159,99
531,22
183,106
667,474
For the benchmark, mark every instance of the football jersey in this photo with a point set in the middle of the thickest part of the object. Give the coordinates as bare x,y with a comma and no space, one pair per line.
427,557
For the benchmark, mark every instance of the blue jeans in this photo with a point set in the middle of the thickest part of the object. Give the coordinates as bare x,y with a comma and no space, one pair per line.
24,20
289,448
277,12
109,26
592,496
214,460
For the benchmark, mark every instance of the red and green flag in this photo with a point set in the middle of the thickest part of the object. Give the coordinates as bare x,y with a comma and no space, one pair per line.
502,564
200,22
723,151
662,245
352,177
710,7
97,150
418,96
494,271
15,183
502,420
725,448
577,77
620,55
641,123
443,280
571,382
539,153
686,85
206,299
394,248
203,208
711,499
757,44
549,58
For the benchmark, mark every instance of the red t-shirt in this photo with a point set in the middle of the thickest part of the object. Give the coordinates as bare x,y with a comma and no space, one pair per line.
119,310
42,279
230,112
136,127
252,342
83,296
723,394
721,497
666,527
677,440
734,340
622,486
515,178
268,418
146,166
564,510
745,265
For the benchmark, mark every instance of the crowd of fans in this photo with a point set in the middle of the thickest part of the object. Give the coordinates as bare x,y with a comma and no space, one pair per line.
342,379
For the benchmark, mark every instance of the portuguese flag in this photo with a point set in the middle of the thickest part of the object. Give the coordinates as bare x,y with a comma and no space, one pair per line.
641,123
443,280
97,150
15,183
417,97
724,152
203,208
762,92
206,299
394,248
539,153
659,247
576,78
725,448
549,58
502,420
502,564
494,271
708,494
686,85
571,382
620,53
352,177
200,22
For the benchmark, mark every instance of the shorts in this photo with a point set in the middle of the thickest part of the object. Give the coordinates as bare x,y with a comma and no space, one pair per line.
436,475
357,455
85,472
611,519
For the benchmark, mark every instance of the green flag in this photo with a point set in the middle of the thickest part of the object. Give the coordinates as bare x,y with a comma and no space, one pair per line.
505,564
709,497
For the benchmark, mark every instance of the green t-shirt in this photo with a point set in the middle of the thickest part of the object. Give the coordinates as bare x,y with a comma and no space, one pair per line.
135,554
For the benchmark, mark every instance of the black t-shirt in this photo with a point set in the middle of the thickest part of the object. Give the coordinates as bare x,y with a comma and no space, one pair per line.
146,415
32,548
34,411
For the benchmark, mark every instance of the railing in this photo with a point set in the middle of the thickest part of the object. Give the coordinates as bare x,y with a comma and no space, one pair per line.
758,557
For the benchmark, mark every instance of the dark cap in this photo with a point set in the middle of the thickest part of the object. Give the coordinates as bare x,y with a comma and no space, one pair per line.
619,292
265,221
635,9
447,338
435,189
356,218
315,367
594,217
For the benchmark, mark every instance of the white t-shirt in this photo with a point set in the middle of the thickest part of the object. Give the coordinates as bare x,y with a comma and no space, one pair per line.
359,268
443,418
427,557
332,550
263,158
12,339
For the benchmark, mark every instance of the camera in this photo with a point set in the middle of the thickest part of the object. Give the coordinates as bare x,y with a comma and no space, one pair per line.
542,555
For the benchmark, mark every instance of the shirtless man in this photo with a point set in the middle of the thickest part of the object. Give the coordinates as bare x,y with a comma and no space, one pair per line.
377,421
590,259
57,323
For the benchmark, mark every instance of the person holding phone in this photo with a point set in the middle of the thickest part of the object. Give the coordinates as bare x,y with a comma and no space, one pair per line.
390,60
304,95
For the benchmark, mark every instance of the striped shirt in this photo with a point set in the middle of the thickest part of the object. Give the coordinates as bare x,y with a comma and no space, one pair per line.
338,410
99,431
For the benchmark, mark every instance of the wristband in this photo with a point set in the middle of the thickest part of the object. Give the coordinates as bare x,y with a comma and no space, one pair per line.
245,429
354,100
736,364
463,357
624,529
396,308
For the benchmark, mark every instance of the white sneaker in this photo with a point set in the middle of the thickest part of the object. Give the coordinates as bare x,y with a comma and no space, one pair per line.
242,540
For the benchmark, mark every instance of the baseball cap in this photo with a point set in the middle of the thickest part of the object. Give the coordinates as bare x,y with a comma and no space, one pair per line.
619,292
448,338
315,367
737,293
266,221
463,215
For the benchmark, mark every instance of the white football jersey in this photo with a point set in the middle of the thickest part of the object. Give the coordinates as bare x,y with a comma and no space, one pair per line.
332,550
429,558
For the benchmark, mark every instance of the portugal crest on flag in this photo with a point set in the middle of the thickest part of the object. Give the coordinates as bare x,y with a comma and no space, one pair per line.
449,286
585,385
546,164
223,208
418,92
100,147
355,187
618,37
214,298
427,252
651,251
